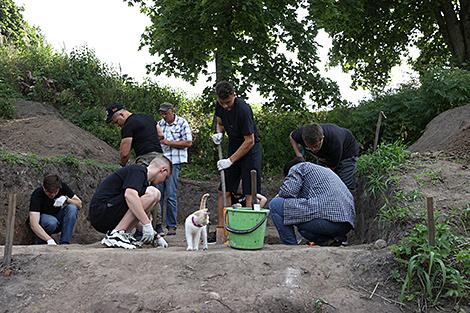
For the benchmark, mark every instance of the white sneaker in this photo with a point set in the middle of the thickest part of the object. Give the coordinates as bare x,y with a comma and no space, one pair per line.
118,239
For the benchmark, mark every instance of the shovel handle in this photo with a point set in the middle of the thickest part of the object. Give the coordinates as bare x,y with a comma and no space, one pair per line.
254,192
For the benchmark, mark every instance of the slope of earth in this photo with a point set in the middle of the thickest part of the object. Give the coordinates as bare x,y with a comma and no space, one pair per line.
39,128
276,279
448,132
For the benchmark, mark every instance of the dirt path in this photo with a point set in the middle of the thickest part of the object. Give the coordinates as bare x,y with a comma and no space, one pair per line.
278,278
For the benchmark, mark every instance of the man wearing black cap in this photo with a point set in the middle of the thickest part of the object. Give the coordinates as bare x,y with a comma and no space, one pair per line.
139,132
178,138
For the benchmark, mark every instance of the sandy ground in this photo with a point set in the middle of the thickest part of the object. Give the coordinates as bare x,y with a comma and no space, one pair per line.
91,278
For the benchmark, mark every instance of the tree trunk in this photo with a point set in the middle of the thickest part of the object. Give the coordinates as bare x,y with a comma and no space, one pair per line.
455,31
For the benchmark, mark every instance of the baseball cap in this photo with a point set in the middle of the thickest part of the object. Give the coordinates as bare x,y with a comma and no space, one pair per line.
110,110
165,106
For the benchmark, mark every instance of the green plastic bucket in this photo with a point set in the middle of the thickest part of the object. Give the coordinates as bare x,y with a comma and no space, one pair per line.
246,227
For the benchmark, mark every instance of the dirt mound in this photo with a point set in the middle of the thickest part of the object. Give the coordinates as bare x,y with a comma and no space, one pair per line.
39,128
448,132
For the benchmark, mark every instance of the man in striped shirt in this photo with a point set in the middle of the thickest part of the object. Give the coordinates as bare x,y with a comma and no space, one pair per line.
177,139
315,200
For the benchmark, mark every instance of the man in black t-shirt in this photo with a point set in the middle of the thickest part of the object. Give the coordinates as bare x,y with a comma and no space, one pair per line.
235,117
334,146
123,199
141,133
53,208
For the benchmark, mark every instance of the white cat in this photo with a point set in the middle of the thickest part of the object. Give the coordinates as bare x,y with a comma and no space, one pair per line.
195,226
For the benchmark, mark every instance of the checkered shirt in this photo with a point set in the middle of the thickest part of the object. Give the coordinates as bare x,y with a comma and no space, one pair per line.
315,192
179,130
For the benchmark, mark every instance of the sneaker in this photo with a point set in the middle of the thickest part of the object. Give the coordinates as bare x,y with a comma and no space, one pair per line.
118,239
159,230
171,231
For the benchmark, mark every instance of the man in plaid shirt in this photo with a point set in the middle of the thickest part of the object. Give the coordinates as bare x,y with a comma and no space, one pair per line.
177,139
315,200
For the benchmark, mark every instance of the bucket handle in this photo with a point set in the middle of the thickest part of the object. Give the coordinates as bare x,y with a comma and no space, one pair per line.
243,232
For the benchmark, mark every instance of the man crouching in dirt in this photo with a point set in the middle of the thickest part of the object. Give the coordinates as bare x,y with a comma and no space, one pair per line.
121,200
53,209
315,200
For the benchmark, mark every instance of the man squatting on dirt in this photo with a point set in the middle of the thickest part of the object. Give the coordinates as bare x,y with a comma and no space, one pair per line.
141,133
123,199
53,208
315,200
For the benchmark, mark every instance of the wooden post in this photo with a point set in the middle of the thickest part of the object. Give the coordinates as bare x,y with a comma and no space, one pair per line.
431,226
220,232
377,129
10,229
254,190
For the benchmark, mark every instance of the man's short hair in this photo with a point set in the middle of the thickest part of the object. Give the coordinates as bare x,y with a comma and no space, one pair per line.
312,134
291,163
51,182
224,89
162,160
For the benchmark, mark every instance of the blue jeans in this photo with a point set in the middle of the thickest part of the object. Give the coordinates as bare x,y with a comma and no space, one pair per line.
63,222
320,231
169,188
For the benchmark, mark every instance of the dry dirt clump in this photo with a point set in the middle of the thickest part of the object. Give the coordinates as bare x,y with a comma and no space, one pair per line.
39,128
448,132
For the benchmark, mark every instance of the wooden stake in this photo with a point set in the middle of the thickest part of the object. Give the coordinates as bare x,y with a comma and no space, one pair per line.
220,232
10,229
254,191
377,129
431,226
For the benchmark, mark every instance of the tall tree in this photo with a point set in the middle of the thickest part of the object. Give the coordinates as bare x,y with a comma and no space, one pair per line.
252,42
13,27
370,36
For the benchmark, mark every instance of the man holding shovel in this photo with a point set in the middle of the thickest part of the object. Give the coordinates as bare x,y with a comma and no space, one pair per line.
235,117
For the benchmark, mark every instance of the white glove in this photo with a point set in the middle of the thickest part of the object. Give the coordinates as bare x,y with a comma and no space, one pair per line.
51,242
217,138
147,233
59,202
223,164
162,242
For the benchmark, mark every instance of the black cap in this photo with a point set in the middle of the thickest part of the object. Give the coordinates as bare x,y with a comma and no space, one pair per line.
165,106
110,110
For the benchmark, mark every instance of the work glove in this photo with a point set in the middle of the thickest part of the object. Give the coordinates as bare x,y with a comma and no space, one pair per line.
162,242
51,242
147,233
223,164
217,138
59,202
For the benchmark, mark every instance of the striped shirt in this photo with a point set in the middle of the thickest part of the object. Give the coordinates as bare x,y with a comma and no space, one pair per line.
315,192
179,130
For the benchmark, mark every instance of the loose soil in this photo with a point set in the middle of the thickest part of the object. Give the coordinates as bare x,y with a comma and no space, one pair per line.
85,277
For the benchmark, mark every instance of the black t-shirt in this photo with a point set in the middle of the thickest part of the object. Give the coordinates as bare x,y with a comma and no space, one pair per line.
41,203
238,122
132,176
338,144
143,130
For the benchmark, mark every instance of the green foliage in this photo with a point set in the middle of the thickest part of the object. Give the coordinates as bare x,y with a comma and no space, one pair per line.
408,109
377,166
436,271
39,162
370,37
246,39
13,27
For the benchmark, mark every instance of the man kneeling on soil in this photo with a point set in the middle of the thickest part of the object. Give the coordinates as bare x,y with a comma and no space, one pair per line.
122,199
53,209
315,200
